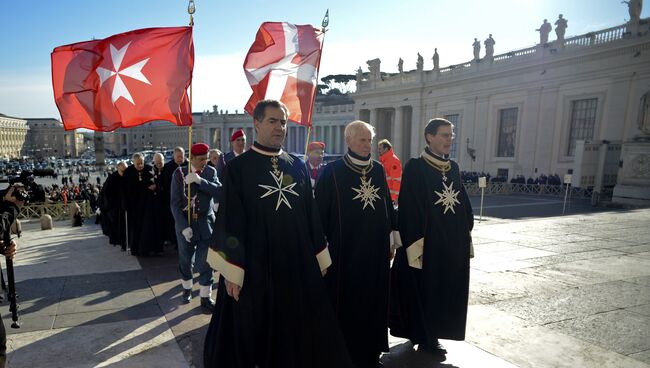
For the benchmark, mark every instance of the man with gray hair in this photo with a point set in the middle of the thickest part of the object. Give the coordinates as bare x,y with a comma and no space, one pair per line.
358,219
142,218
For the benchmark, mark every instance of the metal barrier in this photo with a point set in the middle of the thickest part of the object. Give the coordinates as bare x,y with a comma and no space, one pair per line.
528,189
57,210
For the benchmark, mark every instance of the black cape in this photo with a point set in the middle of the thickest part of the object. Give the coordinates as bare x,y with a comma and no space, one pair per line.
431,302
358,233
271,238
143,218
112,206
165,186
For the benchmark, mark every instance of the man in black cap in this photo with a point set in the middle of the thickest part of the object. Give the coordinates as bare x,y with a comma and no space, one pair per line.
193,236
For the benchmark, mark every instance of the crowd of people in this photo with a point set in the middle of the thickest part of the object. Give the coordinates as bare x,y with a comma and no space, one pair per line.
316,263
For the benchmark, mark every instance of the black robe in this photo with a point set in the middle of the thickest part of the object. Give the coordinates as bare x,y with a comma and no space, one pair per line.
358,233
431,302
166,218
145,235
112,206
271,239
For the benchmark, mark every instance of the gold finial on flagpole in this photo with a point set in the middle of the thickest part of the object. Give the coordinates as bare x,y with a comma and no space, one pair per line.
190,10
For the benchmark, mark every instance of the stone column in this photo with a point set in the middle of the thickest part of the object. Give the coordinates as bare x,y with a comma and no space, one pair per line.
374,114
417,142
397,139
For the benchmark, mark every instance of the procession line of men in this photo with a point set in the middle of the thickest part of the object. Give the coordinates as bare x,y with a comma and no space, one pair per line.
304,249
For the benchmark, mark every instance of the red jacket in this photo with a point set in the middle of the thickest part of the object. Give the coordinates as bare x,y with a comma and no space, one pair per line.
393,167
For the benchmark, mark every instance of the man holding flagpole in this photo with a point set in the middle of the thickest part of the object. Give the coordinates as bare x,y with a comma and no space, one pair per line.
193,237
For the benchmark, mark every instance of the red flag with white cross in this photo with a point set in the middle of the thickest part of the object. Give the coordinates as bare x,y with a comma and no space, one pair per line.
282,64
125,80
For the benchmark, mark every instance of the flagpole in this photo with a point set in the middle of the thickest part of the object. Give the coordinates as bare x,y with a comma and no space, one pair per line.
324,24
190,10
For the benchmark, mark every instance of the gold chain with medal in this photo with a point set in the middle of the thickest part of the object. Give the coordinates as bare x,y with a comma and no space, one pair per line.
363,170
442,166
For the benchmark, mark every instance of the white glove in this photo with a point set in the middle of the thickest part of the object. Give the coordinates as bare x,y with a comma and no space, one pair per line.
193,178
187,234
215,206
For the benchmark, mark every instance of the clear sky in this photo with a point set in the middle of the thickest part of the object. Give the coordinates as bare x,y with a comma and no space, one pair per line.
359,30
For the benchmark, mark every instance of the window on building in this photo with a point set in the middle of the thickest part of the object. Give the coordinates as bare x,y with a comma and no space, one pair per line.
454,119
507,132
583,121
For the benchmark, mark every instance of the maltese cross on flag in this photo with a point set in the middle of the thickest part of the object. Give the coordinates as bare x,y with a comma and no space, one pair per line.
282,64
125,80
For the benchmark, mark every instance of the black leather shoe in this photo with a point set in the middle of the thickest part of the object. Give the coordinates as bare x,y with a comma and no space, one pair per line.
437,346
437,352
187,296
207,304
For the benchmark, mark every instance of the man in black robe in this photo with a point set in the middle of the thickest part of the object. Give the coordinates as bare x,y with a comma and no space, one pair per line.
430,274
272,306
166,214
358,219
113,205
142,219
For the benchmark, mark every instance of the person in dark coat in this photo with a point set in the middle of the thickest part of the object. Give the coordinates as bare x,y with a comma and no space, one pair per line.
272,306
358,220
113,206
144,233
166,183
430,273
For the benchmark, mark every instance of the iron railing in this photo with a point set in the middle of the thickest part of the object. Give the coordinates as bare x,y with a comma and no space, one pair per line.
57,210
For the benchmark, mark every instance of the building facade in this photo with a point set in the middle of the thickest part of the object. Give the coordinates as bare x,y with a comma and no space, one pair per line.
48,138
12,136
520,112
215,127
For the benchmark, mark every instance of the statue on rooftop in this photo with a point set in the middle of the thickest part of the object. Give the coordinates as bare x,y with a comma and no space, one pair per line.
561,25
400,65
436,59
374,66
489,47
359,75
420,63
544,31
634,8
477,49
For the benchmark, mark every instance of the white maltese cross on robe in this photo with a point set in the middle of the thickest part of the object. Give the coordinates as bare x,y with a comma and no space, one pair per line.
367,193
280,189
448,197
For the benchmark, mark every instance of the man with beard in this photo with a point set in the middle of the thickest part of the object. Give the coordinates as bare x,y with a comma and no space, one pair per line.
272,306
430,274
113,205
140,188
358,219
166,214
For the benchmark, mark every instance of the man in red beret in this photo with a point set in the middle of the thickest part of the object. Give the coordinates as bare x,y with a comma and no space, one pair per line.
315,164
193,238
238,144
